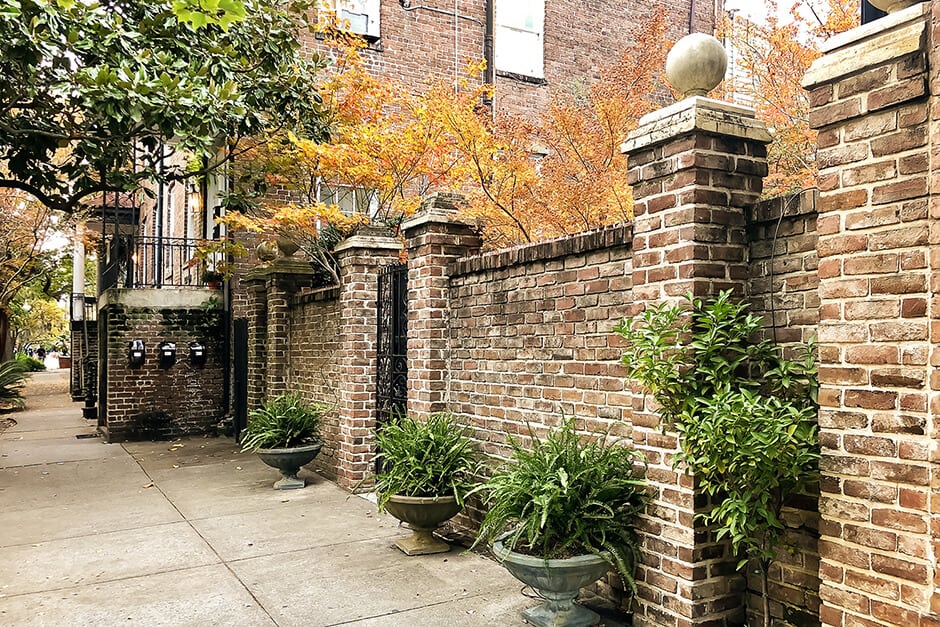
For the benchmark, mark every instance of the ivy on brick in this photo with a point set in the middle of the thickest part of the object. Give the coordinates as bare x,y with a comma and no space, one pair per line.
745,412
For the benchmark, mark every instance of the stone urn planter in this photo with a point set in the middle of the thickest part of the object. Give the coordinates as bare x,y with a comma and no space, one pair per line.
892,6
422,514
285,433
289,461
556,580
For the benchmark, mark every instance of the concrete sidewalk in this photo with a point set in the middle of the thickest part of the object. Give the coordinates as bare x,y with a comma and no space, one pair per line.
191,533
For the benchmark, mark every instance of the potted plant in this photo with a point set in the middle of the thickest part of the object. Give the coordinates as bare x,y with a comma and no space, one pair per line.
561,513
212,278
285,433
745,413
426,470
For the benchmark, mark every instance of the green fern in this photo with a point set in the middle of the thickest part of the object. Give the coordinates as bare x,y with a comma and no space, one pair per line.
283,422
567,495
13,375
432,458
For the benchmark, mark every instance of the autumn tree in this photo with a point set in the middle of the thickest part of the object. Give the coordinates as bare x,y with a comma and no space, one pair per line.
773,56
387,149
563,171
559,171
25,226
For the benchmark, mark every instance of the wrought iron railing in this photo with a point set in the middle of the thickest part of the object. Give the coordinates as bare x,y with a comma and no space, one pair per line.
165,262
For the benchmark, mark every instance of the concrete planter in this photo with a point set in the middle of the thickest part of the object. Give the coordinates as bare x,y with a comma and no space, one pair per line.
891,6
289,462
422,514
556,580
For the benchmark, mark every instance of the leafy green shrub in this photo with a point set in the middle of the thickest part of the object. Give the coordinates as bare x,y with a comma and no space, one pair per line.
433,458
12,377
283,422
30,364
567,495
746,414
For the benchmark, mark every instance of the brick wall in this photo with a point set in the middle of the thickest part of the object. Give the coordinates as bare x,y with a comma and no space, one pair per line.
155,401
872,106
314,364
783,289
531,335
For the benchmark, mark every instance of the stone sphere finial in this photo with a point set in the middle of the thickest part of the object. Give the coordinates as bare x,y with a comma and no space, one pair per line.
696,64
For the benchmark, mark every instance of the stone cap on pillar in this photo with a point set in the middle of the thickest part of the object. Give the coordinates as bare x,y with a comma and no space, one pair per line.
853,51
440,207
696,114
369,237
437,222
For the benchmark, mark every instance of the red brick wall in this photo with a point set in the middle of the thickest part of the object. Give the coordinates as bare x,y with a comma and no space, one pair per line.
783,289
153,401
580,38
314,363
531,335
877,327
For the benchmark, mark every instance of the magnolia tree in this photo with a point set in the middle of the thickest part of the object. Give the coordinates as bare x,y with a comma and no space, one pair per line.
559,171
93,93
774,55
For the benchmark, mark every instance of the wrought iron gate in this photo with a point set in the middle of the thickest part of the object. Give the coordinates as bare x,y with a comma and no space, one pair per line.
391,395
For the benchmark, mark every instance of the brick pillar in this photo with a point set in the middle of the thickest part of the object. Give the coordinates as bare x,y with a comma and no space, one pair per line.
285,277
434,239
695,167
254,283
360,258
879,251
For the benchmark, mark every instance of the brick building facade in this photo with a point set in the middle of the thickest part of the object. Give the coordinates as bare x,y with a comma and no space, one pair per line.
412,41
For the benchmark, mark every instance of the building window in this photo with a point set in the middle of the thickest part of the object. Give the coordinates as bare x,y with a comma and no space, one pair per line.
357,16
520,30
350,200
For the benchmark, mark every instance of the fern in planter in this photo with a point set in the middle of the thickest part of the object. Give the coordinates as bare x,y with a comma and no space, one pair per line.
283,422
746,414
567,495
432,458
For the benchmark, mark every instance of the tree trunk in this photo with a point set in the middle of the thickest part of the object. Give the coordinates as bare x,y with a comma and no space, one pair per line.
6,346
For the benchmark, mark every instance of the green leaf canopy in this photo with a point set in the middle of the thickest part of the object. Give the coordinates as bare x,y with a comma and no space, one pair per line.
87,88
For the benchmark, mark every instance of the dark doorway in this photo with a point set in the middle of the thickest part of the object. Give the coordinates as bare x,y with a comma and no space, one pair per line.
240,374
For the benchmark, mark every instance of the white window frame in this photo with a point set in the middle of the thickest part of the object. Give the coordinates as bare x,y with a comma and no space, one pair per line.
520,37
362,17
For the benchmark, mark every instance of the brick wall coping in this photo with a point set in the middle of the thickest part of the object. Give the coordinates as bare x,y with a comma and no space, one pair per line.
159,298
790,205
695,114
888,38
580,243
368,242
320,294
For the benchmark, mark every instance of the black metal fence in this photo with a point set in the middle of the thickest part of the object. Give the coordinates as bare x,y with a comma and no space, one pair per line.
165,262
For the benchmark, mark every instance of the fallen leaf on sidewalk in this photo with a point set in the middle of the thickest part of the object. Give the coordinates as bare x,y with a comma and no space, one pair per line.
149,485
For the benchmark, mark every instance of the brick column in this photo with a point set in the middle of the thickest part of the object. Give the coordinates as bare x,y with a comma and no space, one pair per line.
879,231
695,167
360,258
285,277
434,239
257,313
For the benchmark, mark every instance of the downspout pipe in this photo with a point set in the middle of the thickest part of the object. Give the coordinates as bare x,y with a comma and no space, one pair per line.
488,38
